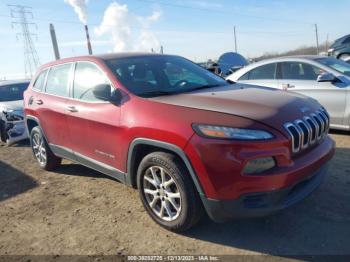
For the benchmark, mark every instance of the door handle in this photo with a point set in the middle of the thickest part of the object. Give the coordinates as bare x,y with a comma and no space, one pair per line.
72,109
39,102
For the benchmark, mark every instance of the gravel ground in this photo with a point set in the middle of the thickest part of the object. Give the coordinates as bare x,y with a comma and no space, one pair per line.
77,211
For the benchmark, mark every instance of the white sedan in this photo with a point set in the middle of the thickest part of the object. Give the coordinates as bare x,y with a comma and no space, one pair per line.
326,79
12,126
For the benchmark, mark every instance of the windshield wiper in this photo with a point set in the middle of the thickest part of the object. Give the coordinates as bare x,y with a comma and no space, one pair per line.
155,93
205,86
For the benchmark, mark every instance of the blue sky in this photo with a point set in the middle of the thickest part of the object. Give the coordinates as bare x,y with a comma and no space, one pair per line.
196,29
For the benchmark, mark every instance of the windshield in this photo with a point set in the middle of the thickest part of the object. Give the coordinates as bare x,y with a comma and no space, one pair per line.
336,64
149,76
12,92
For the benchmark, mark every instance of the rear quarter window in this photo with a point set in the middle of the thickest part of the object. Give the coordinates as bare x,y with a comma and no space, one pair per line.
266,72
58,79
40,81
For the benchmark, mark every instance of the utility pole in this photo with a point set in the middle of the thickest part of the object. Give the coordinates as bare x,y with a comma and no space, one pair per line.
317,44
54,42
88,39
234,32
21,14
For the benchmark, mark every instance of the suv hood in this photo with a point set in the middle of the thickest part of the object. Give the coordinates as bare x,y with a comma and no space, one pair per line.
11,105
269,106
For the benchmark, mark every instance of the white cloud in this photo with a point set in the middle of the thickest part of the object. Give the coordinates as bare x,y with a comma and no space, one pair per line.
80,8
127,31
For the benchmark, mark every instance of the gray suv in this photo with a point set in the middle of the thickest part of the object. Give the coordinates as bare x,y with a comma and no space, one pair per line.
341,48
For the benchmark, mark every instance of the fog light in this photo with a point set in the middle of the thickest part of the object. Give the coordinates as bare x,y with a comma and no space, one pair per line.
259,165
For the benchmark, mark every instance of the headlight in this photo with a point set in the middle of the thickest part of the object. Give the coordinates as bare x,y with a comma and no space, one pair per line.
12,115
223,132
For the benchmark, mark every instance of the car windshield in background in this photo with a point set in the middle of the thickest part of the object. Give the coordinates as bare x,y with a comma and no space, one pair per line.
12,92
336,64
150,76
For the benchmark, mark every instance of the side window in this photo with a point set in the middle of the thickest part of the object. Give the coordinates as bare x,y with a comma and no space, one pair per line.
346,41
87,76
40,81
299,71
244,77
57,80
263,72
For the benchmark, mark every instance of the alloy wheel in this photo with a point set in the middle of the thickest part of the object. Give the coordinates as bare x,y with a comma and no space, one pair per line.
162,193
39,149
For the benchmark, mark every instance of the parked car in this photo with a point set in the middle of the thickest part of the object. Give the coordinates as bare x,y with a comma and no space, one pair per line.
326,79
186,138
341,48
12,125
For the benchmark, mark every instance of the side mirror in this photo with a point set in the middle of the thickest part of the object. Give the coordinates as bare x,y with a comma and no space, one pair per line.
116,97
105,92
326,77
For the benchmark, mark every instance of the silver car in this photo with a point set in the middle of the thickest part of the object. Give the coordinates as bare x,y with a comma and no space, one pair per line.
12,126
326,79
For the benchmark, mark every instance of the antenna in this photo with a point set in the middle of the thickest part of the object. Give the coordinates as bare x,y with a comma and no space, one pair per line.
21,16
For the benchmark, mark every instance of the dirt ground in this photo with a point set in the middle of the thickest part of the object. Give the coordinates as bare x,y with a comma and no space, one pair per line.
77,211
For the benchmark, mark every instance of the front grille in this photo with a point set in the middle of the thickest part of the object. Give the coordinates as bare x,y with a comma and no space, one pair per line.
309,130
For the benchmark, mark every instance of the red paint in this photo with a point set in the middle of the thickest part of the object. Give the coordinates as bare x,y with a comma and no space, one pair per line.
217,163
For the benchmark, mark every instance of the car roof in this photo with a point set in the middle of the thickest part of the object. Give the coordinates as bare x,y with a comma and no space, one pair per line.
342,38
99,57
296,57
12,82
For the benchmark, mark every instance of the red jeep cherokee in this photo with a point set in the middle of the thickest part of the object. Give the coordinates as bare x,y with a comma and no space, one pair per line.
186,138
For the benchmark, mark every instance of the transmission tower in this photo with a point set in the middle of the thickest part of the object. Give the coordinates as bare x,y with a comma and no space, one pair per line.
22,15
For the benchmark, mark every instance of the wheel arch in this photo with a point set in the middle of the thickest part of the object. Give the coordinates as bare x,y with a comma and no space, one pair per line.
347,52
141,147
31,122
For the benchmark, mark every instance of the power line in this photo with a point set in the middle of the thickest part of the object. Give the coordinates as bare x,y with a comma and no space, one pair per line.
224,12
21,16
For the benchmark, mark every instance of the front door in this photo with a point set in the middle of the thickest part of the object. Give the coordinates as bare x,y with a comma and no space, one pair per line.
93,124
302,78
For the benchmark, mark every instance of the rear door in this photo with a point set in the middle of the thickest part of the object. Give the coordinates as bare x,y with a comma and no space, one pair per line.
93,124
264,75
51,105
301,77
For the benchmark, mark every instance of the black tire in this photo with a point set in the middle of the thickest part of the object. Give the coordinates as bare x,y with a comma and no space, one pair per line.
51,162
345,57
3,135
191,209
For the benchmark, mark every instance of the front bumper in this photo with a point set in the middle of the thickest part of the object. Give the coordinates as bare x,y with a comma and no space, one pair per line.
264,203
13,131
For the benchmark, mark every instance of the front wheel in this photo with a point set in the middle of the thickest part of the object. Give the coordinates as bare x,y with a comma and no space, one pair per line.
3,134
167,192
42,152
345,57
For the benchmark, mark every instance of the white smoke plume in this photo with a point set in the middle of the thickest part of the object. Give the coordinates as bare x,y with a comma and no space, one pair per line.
128,31
79,8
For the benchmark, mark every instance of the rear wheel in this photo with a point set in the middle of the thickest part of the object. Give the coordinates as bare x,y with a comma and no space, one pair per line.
42,152
167,192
